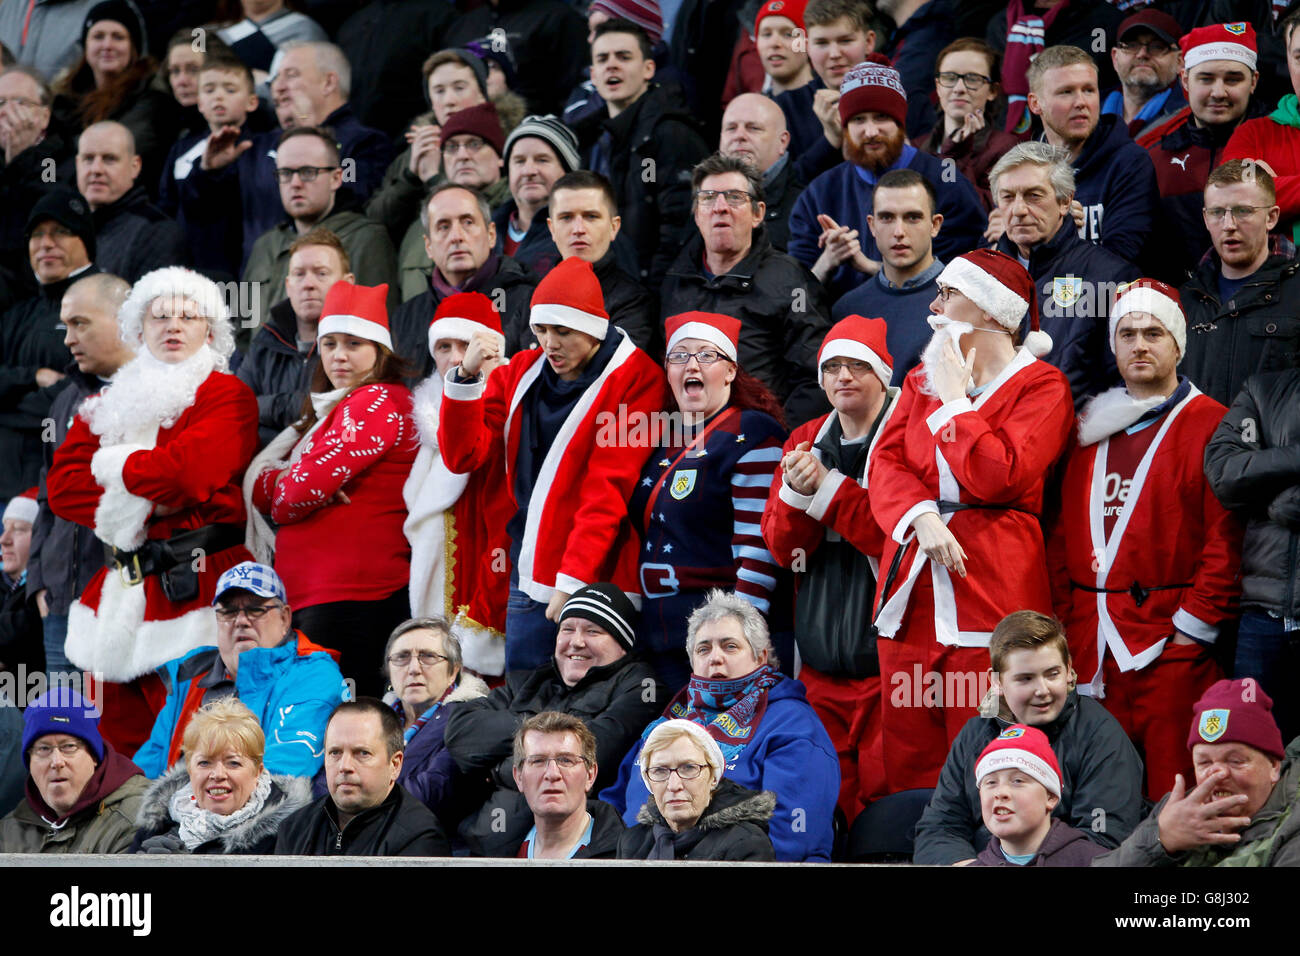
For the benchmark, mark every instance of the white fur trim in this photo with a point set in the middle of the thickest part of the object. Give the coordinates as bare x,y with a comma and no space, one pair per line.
462,330
1194,627
357,325
706,333
1030,763
905,523
463,391
121,518
116,643
1148,300
1039,343
1237,52
570,318
825,494
22,509
852,348
1005,306
793,498
1110,412
947,412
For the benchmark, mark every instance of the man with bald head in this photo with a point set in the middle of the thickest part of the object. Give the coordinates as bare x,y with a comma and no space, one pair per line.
134,235
754,128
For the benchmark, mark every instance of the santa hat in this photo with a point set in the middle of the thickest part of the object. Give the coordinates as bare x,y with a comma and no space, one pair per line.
1220,41
189,285
359,310
720,330
23,507
873,86
858,338
569,295
1000,286
792,10
1236,712
1160,300
1022,748
459,316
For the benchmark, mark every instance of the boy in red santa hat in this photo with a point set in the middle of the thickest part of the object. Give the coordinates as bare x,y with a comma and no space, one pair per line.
956,483
1144,558
153,465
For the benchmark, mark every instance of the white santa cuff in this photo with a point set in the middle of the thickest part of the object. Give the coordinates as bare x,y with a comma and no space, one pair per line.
912,513
793,498
825,494
1195,628
21,509
463,391
570,318
947,412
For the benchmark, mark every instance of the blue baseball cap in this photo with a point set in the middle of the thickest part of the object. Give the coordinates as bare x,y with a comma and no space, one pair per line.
252,577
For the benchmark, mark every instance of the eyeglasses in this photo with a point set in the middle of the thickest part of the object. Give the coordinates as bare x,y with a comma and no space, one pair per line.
563,761
686,771
946,293
69,748
1153,47
471,145
735,198
307,174
19,101
1238,213
972,81
857,368
426,658
254,612
704,357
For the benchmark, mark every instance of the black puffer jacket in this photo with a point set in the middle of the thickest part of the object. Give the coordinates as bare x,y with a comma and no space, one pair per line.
38,169
400,826
616,701
1253,464
1258,330
780,330
732,827
780,195
278,374
254,836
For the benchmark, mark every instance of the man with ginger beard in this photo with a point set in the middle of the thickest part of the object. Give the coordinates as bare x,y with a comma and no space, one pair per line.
828,228
956,483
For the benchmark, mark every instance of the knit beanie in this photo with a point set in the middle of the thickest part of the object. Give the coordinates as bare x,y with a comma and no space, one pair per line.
1160,300
570,295
550,130
119,11
1236,712
69,210
1023,748
481,121
607,606
1000,286
644,13
855,337
62,711
792,10
873,86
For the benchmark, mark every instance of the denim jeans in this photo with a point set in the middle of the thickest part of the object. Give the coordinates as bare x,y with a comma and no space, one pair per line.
56,635
1270,653
530,637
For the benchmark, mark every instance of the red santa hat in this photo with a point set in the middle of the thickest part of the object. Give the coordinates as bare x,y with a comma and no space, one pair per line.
1021,748
23,507
1160,300
459,316
858,338
1220,41
720,330
359,310
873,86
792,10
1000,286
570,295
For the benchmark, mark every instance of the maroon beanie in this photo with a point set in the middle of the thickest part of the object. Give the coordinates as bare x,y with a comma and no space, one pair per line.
481,121
1236,712
873,86
644,13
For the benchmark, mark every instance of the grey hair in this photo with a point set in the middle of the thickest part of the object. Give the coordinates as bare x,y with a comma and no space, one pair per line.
479,198
329,59
450,642
719,605
1054,159
186,284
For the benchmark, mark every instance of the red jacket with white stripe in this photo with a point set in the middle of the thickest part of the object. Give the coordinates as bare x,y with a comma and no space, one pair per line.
1171,529
577,530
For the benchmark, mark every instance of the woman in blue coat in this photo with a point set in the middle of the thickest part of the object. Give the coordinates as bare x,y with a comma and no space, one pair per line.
768,733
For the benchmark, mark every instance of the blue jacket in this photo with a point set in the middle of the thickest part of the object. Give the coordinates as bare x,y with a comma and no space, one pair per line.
428,771
791,755
904,308
292,689
844,194
1116,183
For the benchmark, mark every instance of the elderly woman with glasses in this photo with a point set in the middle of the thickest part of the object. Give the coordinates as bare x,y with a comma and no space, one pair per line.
694,813
422,661
699,503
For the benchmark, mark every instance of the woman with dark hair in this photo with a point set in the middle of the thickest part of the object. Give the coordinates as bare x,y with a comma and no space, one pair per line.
179,75
114,80
341,485
700,499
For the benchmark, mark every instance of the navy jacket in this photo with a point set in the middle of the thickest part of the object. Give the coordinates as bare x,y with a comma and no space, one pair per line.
216,245
1115,181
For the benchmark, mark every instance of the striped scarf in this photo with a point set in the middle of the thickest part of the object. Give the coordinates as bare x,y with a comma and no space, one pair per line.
729,710
1026,38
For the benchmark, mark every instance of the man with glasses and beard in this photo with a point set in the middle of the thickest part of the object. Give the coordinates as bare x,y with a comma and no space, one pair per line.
828,228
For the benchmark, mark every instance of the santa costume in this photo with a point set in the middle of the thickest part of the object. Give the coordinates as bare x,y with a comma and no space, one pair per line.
456,523
980,462
833,537
153,465
1143,549
572,454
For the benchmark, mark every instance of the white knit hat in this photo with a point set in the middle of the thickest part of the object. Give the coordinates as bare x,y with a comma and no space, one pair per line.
1154,297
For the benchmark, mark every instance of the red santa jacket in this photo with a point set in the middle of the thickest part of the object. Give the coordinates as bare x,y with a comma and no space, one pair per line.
995,450
194,467
577,530
326,551
1279,146
1170,529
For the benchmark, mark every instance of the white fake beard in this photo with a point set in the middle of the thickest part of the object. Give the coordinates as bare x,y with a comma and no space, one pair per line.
146,393
945,331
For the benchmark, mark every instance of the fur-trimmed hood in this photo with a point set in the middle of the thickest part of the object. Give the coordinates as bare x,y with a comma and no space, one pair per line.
287,795
470,688
731,805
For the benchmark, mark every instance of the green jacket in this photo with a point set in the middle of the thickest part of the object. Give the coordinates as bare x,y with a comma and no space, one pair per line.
1270,840
104,827
413,263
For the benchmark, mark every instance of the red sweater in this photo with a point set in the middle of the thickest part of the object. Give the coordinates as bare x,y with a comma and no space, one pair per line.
1277,145
327,551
